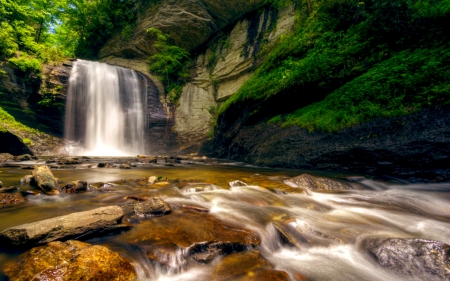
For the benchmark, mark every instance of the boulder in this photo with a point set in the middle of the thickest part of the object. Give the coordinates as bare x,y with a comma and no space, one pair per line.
76,187
7,189
6,157
416,258
45,180
81,224
247,266
8,199
28,179
71,260
316,183
153,207
125,166
188,235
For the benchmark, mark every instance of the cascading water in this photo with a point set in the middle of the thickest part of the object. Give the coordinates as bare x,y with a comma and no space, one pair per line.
105,110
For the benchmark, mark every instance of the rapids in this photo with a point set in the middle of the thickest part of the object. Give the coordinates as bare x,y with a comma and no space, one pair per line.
324,228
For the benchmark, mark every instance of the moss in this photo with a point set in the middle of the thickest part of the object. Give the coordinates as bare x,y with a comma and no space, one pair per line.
369,59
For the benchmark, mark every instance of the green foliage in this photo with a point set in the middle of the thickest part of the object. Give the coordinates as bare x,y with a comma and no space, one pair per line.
26,64
407,82
346,47
8,123
169,63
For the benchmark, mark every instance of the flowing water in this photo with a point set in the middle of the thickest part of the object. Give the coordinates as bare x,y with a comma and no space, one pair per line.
325,228
105,110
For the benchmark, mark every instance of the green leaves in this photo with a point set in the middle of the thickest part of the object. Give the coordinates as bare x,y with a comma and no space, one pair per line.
169,63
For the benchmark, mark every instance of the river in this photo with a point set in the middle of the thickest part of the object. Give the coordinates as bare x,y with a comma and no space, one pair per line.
324,228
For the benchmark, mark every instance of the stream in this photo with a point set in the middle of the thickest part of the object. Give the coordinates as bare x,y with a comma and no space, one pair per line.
324,229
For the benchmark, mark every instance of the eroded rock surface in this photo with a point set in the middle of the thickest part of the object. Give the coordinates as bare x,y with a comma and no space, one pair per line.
418,258
81,224
71,260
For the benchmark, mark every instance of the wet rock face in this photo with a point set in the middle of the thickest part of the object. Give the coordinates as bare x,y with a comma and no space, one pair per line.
153,207
418,258
83,224
316,183
45,180
71,260
248,266
187,235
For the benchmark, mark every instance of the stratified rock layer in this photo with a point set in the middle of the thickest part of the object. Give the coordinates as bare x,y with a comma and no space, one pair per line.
81,224
71,260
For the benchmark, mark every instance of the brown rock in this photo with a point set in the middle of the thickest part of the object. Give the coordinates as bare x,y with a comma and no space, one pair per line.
248,266
191,233
316,183
29,179
7,199
152,179
71,260
101,220
6,157
153,207
7,189
45,180
25,157
76,187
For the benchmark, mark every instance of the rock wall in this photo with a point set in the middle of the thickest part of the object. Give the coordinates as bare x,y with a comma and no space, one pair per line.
228,61
413,147
37,102
189,23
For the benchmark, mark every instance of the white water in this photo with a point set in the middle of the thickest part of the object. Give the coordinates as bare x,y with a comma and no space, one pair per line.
105,110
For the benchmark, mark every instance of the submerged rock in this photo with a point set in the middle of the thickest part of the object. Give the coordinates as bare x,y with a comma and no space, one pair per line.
8,189
45,180
8,199
71,260
316,183
1,184
76,187
81,224
154,207
247,266
418,258
188,235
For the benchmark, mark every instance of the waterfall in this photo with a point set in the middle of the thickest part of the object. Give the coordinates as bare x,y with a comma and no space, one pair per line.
105,110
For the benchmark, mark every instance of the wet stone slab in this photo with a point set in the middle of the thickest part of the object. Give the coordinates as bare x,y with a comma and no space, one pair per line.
187,235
